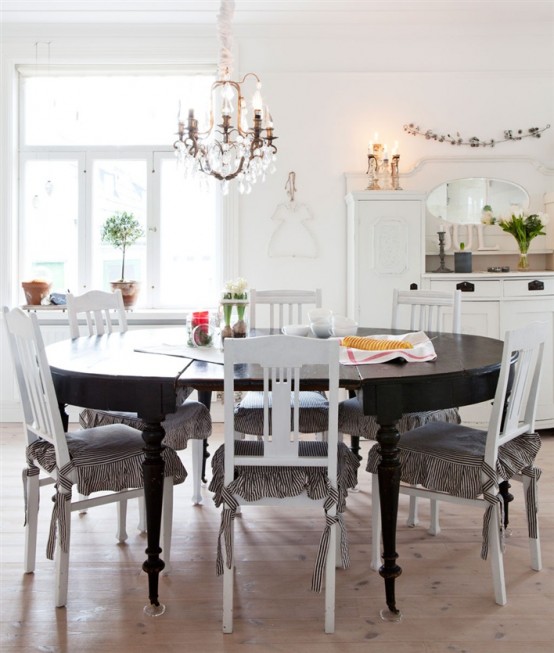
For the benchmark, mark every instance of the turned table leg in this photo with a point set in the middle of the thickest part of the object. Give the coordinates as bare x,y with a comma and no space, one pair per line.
388,474
153,470
205,397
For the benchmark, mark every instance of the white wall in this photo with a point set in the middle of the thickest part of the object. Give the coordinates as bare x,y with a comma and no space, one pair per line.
330,87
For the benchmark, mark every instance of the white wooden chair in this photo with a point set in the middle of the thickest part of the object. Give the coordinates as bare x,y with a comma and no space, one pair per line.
462,465
103,312
412,310
281,468
103,459
283,307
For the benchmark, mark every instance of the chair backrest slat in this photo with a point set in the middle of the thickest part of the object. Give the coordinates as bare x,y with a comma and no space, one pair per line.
41,413
515,402
98,309
427,310
284,306
281,359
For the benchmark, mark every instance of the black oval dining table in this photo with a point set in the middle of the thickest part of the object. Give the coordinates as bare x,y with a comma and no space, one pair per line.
107,372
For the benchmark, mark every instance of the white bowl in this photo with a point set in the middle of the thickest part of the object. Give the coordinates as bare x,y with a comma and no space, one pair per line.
296,329
343,331
342,321
320,314
321,329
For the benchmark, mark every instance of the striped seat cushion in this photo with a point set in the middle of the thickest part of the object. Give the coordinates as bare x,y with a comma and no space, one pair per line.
314,413
190,421
352,421
450,458
254,483
105,458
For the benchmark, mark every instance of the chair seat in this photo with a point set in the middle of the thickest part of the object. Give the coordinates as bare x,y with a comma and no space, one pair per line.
353,422
105,458
191,421
314,413
255,483
449,458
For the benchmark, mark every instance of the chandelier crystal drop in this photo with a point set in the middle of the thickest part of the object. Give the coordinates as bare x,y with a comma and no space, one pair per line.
238,141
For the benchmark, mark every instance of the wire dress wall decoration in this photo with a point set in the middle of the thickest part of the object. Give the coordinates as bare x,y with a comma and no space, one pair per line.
292,237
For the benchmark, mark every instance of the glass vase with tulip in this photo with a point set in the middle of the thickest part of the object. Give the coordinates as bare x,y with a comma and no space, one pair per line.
524,228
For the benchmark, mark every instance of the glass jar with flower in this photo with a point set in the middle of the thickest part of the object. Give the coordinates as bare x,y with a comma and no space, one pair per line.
523,228
235,295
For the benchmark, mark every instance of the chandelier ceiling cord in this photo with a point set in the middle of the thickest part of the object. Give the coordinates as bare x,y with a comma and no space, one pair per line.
244,150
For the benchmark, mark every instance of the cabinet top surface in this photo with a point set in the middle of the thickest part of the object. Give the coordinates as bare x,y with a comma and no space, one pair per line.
531,274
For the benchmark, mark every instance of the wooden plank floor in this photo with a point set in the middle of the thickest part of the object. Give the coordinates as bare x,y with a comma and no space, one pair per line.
445,591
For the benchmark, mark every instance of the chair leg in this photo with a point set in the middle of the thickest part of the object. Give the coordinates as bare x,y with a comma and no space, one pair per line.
197,458
167,523
62,561
434,528
121,534
376,560
32,492
497,561
141,526
413,518
81,497
330,580
534,543
228,588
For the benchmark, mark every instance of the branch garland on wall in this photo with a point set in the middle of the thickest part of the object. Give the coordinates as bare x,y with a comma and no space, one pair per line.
509,135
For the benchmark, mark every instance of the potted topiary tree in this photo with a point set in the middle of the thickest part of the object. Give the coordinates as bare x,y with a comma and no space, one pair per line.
123,230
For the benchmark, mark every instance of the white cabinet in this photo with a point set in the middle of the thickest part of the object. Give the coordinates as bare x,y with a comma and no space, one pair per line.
385,250
493,304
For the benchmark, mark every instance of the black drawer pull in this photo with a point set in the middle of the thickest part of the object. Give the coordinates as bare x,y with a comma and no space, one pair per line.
536,285
413,286
465,286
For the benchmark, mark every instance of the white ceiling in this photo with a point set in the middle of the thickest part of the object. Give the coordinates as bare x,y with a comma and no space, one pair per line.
308,12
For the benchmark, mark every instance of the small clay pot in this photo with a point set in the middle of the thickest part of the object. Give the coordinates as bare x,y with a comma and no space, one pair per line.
36,291
129,289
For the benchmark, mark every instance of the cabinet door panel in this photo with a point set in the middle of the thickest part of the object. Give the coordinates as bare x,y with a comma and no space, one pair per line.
515,314
388,256
481,318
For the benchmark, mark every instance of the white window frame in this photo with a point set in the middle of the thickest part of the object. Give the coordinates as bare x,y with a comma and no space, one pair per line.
227,206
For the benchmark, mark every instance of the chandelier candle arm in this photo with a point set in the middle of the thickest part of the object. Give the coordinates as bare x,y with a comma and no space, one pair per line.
226,151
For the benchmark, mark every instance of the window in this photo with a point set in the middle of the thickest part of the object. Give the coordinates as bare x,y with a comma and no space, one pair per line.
96,143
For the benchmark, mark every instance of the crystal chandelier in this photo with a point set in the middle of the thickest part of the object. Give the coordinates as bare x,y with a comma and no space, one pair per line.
235,144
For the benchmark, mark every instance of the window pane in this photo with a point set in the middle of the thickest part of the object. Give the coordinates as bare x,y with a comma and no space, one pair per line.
118,185
188,241
110,109
50,209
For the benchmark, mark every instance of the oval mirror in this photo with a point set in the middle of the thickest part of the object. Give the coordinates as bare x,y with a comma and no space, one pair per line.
461,201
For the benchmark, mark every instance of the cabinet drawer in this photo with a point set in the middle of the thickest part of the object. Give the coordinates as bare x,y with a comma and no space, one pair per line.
529,287
471,288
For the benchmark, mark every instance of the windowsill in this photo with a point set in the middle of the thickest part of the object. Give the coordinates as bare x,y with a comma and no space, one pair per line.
56,314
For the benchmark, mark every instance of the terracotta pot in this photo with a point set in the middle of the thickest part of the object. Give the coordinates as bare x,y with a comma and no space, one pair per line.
36,291
129,290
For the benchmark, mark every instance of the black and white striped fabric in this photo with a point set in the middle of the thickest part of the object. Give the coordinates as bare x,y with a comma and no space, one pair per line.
255,483
353,422
314,413
450,458
106,458
190,421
